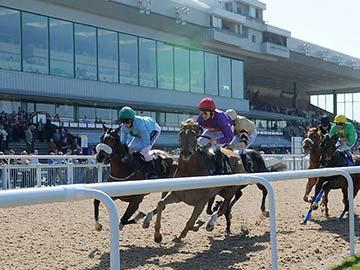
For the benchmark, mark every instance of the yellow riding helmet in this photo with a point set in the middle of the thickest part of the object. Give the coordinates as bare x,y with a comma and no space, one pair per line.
340,119
232,114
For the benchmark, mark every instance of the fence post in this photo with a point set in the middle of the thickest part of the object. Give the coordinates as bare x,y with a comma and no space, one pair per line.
5,176
100,173
38,175
70,173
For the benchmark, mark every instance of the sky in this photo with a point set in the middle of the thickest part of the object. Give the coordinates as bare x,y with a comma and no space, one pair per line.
333,24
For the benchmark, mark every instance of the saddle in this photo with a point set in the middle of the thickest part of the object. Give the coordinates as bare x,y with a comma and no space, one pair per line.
247,162
156,168
221,163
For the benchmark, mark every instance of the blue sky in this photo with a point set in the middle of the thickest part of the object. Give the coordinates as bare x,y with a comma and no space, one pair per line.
333,24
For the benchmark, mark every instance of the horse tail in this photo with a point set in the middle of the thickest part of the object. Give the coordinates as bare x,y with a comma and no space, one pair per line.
259,163
278,167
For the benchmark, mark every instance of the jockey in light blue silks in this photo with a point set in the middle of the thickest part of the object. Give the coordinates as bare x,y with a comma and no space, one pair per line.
140,134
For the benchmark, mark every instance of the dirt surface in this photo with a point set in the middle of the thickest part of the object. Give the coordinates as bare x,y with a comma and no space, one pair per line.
62,236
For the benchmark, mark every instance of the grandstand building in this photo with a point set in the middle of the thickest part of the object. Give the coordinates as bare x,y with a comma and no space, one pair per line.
84,60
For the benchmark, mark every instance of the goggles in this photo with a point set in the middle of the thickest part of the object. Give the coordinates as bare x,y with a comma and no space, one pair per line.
205,113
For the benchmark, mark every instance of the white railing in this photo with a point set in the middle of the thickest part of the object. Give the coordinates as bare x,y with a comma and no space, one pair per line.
27,196
19,171
24,171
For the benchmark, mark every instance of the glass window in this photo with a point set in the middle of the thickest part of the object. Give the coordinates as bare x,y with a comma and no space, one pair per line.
349,110
162,119
114,115
182,76
329,103
172,119
237,78
66,112
9,106
356,96
348,97
10,50
35,43
224,77
128,53
44,107
340,98
61,48
165,66
103,114
314,100
147,54
197,71
30,107
107,55
322,102
357,111
211,74
85,52
340,108
86,114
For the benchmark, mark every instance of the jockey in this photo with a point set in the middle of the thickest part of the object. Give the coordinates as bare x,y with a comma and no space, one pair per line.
324,124
216,123
143,131
244,135
346,133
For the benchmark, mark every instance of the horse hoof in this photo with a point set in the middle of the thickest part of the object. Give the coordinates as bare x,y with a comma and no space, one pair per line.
139,216
305,198
177,240
303,222
266,214
197,226
210,228
209,212
314,206
158,238
98,227
146,225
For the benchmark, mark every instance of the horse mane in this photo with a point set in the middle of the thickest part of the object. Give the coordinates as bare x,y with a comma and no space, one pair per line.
189,124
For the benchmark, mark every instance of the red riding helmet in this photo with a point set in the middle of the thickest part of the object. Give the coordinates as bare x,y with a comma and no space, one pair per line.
207,104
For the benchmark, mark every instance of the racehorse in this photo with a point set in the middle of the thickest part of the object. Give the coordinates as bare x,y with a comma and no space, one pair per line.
311,146
330,157
127,167
194,162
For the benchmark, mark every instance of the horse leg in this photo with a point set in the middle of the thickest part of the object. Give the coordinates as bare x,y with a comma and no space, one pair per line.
263,200
238,195
98,226
191,222
221,211
130,210
170,198
228,217
309,185
319,191
345,201
149,215
209,210
324,204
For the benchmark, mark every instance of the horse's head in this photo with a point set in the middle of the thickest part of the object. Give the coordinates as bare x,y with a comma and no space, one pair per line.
188,134
110,145
312,139
328,150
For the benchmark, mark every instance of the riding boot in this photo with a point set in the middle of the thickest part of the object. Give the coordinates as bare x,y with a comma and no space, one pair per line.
219,161
348,157
150,170
246,162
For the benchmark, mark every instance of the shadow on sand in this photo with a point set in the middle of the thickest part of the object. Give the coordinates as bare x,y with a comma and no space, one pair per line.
222,254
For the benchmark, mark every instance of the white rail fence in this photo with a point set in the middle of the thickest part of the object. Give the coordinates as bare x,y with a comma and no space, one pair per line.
20,171
13,198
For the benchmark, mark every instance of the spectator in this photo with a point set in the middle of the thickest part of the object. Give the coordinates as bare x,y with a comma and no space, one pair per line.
52,146
57,118
75,144
40,130
3,138
29,139
63,146
34,159
56,137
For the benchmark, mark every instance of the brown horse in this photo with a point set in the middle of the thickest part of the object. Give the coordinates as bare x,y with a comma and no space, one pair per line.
194,162
331,157
127,167
311,146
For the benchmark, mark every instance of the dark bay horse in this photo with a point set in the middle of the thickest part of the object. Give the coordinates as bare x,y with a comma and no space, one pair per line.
312,146
193,162
126,167
330,157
